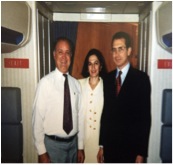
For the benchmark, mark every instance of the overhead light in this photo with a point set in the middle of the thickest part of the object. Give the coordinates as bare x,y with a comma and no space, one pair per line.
95,16
95,9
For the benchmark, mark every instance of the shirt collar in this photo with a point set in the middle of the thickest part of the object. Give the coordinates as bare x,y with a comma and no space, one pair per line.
59,72
124,70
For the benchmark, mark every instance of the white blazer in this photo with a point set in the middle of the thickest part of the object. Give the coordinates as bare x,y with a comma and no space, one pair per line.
92,105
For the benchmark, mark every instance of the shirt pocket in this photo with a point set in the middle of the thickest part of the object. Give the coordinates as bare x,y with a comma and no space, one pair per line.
75,100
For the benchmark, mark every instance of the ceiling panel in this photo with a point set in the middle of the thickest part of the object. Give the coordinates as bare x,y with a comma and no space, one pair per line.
109,7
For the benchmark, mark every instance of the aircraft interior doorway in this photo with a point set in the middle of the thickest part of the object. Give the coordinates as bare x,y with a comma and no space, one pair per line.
85,36
88,35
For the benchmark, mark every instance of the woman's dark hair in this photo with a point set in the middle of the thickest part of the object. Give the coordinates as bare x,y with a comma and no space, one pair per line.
124,35
101,59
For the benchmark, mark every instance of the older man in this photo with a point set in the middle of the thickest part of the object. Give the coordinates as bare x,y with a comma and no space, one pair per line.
57,116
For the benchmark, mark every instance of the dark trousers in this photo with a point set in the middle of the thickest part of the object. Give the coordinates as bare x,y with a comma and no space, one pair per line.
113,156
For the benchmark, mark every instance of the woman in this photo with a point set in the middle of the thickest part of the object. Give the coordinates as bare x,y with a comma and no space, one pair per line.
92,101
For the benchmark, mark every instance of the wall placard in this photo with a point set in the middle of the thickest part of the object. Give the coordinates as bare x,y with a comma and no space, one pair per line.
16,63
164,64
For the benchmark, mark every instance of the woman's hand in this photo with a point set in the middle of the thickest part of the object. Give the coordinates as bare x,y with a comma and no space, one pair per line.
100,157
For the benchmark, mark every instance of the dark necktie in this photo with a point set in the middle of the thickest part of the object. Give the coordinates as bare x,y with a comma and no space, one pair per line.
67,116
118,83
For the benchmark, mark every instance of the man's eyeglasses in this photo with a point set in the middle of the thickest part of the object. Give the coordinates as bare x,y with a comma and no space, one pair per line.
120,49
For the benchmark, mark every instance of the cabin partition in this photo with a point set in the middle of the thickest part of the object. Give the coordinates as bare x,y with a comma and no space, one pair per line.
44,39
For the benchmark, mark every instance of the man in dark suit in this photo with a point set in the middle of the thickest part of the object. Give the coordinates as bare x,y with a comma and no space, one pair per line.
126,120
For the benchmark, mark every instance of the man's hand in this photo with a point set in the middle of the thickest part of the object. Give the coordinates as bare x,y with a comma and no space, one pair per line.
81,156
139,159
44,158
100,157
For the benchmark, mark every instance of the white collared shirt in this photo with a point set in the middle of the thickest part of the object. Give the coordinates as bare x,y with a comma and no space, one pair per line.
124,72
48,109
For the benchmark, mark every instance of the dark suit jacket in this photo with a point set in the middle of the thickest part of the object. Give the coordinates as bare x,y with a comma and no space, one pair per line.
125,122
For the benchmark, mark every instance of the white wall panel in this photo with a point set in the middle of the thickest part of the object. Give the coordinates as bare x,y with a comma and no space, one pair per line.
160,79
26,79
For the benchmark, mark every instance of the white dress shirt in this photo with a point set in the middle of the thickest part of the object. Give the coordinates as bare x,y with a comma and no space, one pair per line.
48,109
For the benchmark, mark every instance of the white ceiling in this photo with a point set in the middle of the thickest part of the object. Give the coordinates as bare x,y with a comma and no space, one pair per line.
111,7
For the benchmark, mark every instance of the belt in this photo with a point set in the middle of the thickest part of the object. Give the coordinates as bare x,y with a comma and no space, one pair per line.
61,139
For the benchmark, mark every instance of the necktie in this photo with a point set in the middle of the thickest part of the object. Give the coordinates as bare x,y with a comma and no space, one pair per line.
118,83
67,116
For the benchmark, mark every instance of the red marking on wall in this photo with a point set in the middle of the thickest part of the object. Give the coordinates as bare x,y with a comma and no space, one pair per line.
16,63
164,64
